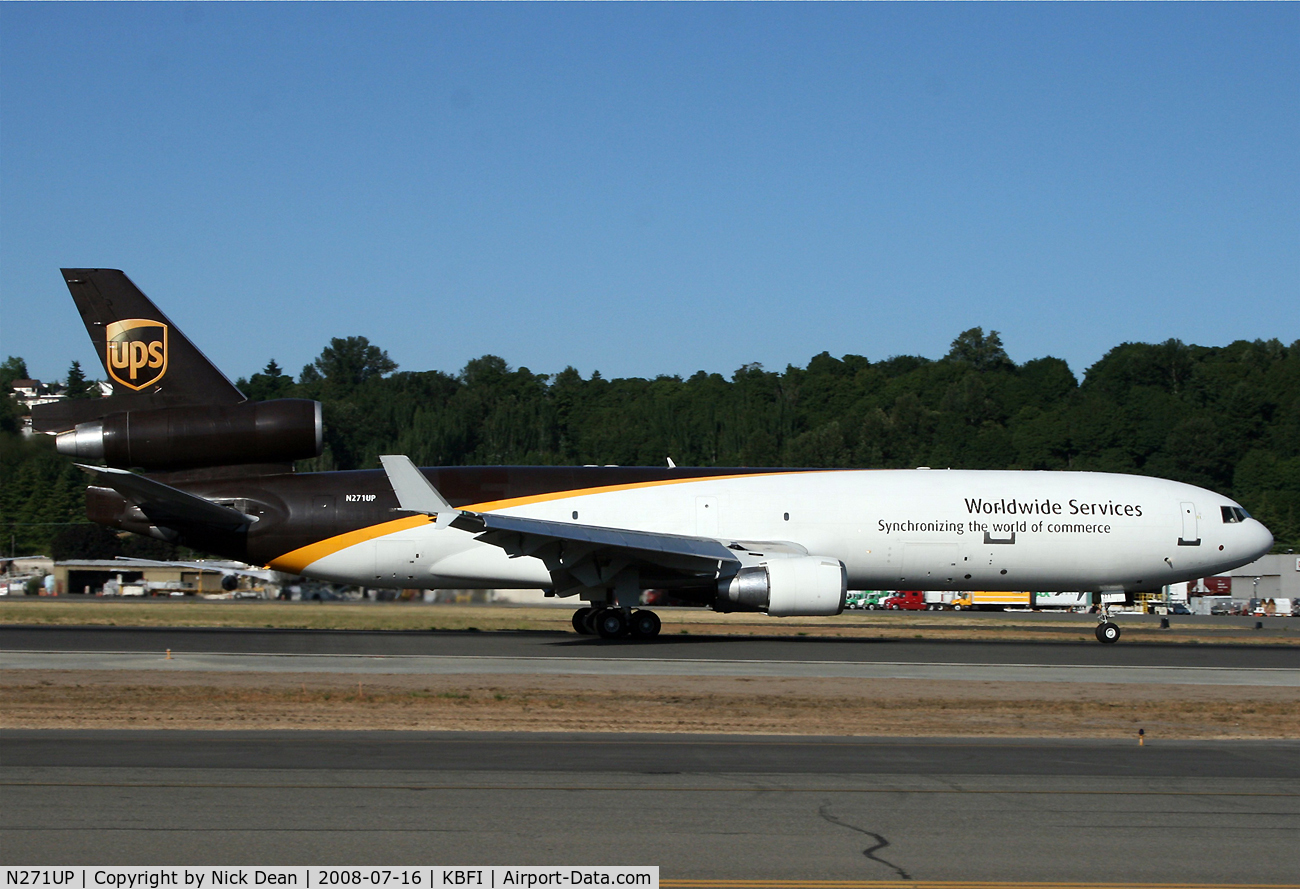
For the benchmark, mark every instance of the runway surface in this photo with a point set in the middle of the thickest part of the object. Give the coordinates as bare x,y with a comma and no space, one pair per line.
244,650
701,807
615,666
565,645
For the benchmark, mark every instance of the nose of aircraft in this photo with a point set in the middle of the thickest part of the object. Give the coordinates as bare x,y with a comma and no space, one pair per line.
1260,540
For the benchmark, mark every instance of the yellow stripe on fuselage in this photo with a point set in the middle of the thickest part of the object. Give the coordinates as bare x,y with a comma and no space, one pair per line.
295,562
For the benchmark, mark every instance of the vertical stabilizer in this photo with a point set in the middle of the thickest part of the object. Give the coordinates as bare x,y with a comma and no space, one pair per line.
150,363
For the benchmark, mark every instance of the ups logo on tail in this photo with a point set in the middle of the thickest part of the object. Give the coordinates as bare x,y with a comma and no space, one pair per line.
137,352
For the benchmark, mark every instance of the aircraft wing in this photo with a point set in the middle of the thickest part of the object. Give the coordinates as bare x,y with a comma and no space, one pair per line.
596,556
500,526
576,555
167,506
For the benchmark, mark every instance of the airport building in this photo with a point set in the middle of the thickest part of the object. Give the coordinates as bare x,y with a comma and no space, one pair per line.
1276,575
1268,585
123,577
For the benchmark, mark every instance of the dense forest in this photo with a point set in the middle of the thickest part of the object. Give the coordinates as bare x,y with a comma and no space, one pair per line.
1225,418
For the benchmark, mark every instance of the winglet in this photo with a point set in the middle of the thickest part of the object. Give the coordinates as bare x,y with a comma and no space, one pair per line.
414,492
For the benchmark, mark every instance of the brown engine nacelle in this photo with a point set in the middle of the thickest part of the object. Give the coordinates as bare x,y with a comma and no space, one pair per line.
211,435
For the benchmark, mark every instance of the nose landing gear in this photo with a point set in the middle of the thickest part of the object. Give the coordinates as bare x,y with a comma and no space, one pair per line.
1107,630
614,623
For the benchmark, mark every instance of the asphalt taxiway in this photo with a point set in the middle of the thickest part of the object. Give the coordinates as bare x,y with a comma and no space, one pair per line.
360,652
244,640
701,807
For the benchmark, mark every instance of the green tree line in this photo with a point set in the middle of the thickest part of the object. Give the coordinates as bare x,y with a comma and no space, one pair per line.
1225,418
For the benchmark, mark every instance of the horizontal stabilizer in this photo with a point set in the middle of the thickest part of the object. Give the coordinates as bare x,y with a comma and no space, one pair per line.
224,568
167,506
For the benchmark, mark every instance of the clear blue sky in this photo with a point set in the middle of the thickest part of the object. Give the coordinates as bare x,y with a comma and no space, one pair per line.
643,189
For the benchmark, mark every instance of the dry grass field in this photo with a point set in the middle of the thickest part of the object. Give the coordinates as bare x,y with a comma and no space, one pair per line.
897,707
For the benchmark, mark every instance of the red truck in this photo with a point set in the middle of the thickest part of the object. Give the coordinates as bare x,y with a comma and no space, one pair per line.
906,600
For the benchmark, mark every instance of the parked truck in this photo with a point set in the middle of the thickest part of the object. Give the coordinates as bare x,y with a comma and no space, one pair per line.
866,599
906,600
989,601
1062,601
938,600
1271,607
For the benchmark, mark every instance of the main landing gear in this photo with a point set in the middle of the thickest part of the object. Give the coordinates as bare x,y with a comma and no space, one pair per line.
614,623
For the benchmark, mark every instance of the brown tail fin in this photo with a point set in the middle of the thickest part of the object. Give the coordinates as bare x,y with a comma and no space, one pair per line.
150,362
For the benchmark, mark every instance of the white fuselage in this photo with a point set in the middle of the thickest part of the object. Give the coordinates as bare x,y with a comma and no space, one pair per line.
892,529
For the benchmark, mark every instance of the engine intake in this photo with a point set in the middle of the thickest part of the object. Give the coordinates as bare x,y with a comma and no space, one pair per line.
209,435
800,586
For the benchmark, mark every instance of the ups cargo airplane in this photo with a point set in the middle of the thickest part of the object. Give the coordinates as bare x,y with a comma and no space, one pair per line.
187,458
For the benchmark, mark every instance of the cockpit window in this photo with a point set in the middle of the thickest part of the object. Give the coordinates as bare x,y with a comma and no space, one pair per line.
1242,515
1233,514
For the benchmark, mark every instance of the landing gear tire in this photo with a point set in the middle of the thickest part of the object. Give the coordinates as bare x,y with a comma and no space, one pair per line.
1107,632
611,623
582,621
645,624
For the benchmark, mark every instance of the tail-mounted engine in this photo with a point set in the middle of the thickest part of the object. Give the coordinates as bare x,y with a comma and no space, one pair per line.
793,587
209,435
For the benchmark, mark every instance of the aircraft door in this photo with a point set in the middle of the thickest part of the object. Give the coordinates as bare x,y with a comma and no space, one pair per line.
1191,527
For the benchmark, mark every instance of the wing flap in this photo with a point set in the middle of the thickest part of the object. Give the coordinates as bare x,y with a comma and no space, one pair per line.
603,537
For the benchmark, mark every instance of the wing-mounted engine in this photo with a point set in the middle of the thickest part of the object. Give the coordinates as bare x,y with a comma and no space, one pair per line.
173,438
797,586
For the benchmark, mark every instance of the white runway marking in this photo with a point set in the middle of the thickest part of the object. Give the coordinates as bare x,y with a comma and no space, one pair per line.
208,662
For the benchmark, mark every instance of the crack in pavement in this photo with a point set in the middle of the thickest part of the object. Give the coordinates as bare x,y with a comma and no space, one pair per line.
869,852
